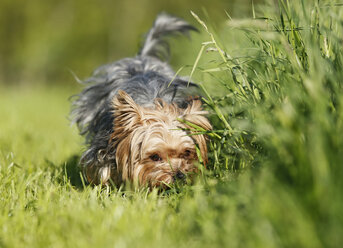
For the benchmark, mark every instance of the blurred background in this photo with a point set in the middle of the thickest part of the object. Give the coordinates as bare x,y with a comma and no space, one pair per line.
41,42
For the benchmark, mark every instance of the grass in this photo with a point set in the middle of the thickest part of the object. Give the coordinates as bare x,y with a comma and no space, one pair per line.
275,176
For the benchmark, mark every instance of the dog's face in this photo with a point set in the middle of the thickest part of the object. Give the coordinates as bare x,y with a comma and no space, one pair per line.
153,147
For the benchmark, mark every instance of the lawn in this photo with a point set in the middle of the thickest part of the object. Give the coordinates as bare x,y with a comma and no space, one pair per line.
275,172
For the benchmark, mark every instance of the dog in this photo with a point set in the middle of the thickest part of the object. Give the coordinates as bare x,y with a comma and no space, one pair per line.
139,119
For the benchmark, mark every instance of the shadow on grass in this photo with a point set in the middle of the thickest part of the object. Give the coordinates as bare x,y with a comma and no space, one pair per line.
73,172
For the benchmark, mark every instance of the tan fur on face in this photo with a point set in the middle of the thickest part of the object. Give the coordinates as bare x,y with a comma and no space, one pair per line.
142,135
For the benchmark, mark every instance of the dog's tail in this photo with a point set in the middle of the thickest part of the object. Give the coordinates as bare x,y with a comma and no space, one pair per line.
165,25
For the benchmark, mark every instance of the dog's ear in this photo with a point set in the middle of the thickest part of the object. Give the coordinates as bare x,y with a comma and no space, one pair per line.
195,115
126,112
127,116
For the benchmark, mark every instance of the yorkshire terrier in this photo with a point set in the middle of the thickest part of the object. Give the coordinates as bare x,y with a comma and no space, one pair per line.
138,118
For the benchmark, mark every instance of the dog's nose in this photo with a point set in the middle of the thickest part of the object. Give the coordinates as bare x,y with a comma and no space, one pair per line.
179,175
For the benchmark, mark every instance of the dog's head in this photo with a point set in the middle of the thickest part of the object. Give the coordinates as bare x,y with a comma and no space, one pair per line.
156,146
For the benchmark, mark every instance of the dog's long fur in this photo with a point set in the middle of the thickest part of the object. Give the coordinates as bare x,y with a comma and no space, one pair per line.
129,107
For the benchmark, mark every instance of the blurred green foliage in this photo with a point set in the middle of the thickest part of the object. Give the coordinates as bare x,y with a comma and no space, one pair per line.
41,41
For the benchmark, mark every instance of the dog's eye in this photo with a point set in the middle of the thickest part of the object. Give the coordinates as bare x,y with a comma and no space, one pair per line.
155,157
187,153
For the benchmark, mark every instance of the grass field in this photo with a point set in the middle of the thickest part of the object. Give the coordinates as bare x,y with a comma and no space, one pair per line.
276,151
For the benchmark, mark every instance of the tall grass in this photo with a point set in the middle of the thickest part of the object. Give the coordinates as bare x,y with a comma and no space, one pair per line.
282,113
274,177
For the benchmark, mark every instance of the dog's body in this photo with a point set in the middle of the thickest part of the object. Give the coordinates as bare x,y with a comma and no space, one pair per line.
129,114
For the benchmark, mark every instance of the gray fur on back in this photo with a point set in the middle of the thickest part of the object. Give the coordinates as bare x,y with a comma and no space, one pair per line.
144,77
